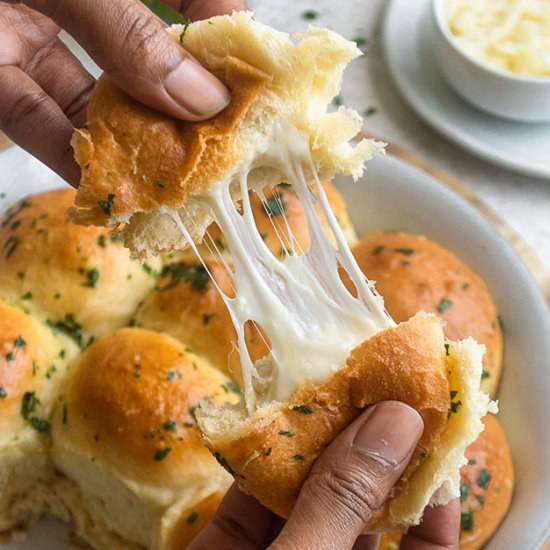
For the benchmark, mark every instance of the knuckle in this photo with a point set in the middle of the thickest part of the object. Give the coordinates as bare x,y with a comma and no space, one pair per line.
352,489
23,108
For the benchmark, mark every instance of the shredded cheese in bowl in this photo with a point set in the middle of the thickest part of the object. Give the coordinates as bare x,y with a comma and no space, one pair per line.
511,35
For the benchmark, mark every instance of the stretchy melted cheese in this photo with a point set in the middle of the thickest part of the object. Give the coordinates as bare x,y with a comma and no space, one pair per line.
309,318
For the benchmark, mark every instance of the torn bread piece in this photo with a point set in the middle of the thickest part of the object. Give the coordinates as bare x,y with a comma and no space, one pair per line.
135,160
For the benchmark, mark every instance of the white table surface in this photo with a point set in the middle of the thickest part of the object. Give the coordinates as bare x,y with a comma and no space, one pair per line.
521,201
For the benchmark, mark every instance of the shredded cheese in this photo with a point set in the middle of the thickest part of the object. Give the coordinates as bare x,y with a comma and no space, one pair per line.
309,318
512,35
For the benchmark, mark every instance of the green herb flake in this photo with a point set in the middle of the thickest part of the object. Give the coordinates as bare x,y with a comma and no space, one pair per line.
463,491
378,250
92,277
10,356
192,517
480,499
182,34
467,521
264,236
500,322
69,327
304,409
447,346
3,393
27,296
161,454
310,15
465,286
188,424
206,317
298,457
20,343
444,305
107,206
51,371
102,241
20,275
337,101
286,433
195,274
361,41
28,404
192,411
404,251
483,479
10,245
275,205
369,111
268,452
173,375
169,426
41,425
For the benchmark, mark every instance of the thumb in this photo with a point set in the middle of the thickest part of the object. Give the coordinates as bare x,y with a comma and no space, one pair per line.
131,44
352,478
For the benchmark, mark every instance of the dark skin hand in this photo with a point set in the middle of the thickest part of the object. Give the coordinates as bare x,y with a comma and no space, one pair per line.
44,92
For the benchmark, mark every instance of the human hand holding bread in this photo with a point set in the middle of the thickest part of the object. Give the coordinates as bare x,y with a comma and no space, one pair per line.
378,366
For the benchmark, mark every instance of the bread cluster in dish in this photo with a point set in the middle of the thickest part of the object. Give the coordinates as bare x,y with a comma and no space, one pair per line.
136,390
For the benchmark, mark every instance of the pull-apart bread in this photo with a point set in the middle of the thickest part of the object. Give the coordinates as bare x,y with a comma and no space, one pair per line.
329,353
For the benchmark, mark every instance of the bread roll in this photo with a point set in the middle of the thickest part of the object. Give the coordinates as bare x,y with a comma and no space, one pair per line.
136,161
486,486
125,441
78,279
407,363
32,368
415,274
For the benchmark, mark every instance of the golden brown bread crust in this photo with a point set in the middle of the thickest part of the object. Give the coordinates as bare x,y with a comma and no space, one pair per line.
414,274
187,305
194,520
147,159
69,274
487,484
274,454
131,399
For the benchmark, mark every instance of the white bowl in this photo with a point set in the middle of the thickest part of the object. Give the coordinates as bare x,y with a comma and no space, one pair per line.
501,93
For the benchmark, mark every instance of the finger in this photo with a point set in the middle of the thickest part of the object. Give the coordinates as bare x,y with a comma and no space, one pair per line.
367,542
130,43
439,529
241,522
195,10
59,73
353,478
35,122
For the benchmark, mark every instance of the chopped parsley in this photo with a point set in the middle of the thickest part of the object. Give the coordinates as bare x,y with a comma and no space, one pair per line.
206,318
149,270
69,327
10,356
3,393
455,405
309,15
51,371
107,206
27,296
28,404
192,517
20,343
500,322
92,277
337,101
298,457
41,425
378,249
102,241
195,274
169,426
304,409
444,305
480,499
268,452
404,251
286,433
264,236
360,41
182,34
222,462
161,454
11,243
485,374
465,286
463,491
467,521
369,111
275,205
483,479
447,349
230,387
173,375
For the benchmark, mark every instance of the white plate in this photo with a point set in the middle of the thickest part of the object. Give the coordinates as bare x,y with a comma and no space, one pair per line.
396,195
407,43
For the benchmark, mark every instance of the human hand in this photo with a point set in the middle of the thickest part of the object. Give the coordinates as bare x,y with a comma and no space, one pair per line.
44,90
349,482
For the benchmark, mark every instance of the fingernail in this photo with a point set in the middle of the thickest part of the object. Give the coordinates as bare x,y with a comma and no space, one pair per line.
196,90
389,433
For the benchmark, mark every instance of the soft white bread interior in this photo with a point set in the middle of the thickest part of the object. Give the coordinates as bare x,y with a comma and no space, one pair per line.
411,363
135,161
